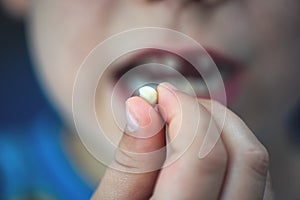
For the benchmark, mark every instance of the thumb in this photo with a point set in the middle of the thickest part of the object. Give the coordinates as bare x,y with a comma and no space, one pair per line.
140,154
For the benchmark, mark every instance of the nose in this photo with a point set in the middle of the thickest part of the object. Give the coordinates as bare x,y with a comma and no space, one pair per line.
181,14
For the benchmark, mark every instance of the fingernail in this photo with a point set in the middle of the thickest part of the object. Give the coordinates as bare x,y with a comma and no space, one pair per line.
132,122
169,86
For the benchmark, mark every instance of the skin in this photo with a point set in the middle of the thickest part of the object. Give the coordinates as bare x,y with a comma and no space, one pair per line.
238,155
263,35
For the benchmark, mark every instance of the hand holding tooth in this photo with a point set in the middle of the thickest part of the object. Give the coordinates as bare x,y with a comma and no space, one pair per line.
235,168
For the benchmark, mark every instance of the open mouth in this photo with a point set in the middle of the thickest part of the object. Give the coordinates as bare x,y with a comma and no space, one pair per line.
156,66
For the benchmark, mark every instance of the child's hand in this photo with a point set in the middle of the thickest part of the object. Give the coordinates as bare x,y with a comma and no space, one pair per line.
236,168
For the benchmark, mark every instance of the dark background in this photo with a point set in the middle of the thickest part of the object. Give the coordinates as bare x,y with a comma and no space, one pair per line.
20,96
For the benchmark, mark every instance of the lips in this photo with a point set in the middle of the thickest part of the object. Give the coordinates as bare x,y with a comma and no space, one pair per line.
156,66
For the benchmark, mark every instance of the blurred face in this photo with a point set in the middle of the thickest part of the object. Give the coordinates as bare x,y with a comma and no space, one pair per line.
255,43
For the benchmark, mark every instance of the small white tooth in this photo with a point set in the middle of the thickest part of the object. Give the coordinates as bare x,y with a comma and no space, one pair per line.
171,62
149,94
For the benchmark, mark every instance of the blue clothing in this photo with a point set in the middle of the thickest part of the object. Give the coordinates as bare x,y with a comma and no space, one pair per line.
34,165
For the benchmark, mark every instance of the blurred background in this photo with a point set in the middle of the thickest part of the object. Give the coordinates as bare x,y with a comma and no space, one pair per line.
32,162
21,97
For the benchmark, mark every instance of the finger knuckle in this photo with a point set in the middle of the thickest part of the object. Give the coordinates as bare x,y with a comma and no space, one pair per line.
124,160
134,162
257,159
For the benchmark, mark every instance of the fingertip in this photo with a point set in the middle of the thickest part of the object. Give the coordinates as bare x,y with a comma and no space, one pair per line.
143,120
138,109
166,93
167,100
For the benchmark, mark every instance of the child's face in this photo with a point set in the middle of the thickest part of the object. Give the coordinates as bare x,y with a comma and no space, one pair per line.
262,35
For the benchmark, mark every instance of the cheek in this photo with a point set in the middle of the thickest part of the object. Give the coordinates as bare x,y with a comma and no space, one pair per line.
62,34
225,28
273,73
275,23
